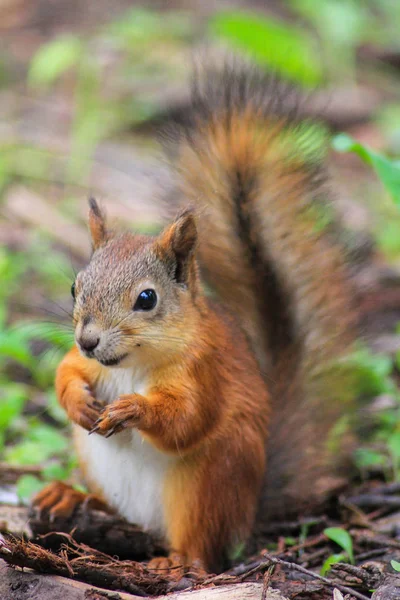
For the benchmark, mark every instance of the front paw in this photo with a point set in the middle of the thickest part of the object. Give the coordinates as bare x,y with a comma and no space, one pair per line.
86,410
126,412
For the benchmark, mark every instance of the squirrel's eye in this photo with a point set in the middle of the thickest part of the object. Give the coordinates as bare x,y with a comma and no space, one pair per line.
146,300
73,290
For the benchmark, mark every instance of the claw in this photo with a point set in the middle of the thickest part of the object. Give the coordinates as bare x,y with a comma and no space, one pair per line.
111,432
94,429
85,504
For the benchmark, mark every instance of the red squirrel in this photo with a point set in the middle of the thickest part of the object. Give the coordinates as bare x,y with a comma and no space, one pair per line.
192,413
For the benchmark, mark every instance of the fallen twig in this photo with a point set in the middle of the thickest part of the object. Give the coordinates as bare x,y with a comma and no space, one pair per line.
370,575
265,564
282,527
366,537
370,500
266,581
295,567
85,564
107,532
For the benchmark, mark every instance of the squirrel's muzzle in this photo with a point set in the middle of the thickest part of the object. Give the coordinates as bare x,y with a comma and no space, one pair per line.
88,338
89,343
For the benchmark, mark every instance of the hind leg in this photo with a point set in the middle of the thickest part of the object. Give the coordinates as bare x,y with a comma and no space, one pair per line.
210,507
60,500
176,565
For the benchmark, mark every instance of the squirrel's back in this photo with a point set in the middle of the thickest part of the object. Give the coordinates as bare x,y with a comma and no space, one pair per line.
269,249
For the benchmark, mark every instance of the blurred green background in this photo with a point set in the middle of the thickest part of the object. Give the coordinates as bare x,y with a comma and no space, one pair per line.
80,83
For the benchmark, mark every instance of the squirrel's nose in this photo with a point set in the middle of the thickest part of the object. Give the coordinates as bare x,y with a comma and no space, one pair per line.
89,343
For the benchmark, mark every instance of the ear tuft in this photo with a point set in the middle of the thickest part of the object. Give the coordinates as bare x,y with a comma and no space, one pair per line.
180,239
97,224
184,234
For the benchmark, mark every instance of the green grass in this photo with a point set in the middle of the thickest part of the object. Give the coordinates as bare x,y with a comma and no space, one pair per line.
32,425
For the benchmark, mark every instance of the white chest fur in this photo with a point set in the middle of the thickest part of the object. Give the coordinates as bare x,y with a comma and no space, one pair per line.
129,471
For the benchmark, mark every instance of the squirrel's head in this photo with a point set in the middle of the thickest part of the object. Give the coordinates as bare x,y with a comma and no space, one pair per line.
138,294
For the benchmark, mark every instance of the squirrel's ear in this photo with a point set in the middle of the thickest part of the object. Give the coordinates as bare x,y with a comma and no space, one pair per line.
97,224
180,240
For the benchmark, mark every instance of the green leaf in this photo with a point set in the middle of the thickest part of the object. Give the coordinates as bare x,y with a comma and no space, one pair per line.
365,457
290,541
29,162
41,443
286,48
339,20
13,346
12,403
56,471
342,538
52,333
371,372
49,438
54,408
27,486
332,560
387,170
341,26
394,444
237,551
387,235
140,27
395,565
137,26
12,266
26,453
53,59
2,440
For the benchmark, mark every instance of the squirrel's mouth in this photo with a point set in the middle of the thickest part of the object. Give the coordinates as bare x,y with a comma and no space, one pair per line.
112,362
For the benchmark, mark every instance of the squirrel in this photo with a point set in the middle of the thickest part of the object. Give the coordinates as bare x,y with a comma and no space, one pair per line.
196,414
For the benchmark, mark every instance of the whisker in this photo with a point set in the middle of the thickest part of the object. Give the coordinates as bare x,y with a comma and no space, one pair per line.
50,353
63,271
70,315
121,321
61,335
151,337
54,314
57,326
42,309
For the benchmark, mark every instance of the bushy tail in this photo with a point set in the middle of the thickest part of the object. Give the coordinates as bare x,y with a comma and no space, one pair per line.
269,250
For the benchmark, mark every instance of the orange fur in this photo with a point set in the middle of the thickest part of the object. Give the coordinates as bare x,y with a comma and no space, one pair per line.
209,407
269,248
60,500
196,382
73,387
